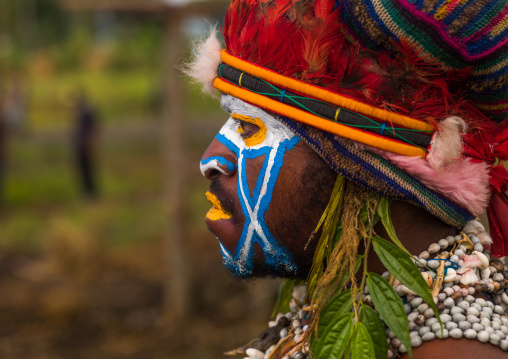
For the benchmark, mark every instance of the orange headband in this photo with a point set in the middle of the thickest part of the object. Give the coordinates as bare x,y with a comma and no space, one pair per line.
326,96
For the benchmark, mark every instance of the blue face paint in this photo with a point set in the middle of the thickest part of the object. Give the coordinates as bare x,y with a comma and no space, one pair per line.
279,140
215,162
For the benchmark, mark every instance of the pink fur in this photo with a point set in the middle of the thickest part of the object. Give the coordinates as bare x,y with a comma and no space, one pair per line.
464,182
446,144
205,62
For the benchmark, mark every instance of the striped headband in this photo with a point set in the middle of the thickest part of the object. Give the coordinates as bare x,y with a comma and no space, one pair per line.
323,109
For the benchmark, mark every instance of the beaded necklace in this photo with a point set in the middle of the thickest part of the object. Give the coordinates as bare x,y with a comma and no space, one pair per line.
456,269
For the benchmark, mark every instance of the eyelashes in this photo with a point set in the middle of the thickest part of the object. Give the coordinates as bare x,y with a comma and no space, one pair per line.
246,129
247,126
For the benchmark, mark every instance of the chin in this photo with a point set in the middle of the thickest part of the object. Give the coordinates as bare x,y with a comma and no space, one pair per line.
245,270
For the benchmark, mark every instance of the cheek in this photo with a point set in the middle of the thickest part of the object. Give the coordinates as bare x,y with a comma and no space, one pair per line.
300,196
253,170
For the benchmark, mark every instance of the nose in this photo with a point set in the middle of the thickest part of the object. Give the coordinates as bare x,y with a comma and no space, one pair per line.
217,160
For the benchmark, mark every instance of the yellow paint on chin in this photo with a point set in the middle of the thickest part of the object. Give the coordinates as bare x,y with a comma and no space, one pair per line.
217,211
257,138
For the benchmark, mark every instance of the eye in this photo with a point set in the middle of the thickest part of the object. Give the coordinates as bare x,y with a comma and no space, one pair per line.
247,129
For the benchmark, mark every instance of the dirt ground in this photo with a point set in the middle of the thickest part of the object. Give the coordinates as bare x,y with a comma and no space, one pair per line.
84,301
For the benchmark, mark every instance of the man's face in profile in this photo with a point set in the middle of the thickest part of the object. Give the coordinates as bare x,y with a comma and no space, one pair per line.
268,190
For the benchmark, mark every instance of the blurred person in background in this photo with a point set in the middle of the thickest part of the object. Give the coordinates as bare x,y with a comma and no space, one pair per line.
348,129
16,106
84,144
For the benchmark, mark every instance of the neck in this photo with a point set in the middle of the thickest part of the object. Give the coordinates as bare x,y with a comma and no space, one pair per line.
415,228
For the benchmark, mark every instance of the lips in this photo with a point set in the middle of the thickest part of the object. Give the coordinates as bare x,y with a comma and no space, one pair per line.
217,211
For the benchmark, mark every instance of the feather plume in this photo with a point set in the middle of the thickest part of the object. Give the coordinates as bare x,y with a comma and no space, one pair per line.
202,68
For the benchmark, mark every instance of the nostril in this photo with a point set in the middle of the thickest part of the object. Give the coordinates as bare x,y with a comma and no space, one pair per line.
212,174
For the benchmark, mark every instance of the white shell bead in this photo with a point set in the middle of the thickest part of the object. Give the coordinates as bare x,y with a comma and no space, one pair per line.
451,325
483,336
470,334
459,252
498,310
424,255
494,339
472,319
451,275
433,264
448,302
416,341
450,240
254,353
434,248
456,333
478,327
463,325
443,243
443,335
428,336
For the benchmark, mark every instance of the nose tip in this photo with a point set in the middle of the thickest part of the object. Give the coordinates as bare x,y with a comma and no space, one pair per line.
217,160
214,166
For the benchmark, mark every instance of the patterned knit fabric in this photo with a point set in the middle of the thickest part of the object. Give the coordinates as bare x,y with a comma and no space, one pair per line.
457,33
378,174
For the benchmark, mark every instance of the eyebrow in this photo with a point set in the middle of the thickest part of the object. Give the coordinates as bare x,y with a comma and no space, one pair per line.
226,107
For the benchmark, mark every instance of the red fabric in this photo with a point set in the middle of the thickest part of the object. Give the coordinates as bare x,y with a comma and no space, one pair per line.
498,222
487,147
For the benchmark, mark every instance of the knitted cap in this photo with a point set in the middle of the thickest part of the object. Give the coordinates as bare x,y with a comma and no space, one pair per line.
456,33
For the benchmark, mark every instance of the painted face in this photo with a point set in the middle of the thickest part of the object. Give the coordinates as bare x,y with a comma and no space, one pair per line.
257,166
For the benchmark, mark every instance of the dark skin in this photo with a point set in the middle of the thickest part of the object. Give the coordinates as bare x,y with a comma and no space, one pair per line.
408,221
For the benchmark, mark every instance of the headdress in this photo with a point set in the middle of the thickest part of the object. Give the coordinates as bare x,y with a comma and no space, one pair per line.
407,98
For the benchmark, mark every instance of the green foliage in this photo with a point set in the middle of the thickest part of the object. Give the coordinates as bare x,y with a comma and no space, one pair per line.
340,304
376,329
327,226
390,308
403,268
383,211
335,339
362,346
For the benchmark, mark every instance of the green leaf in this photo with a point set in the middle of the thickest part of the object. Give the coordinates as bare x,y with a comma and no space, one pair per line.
376,329
389,306
340,304
383,211
335,339
362,346
403,268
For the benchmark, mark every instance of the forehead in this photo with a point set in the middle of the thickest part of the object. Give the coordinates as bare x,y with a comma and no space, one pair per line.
276,131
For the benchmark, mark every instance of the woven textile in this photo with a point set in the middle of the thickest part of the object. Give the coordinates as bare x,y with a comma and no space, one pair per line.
457,33
378,174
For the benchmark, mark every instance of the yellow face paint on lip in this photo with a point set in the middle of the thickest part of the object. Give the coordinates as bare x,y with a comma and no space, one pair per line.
217,211
257,138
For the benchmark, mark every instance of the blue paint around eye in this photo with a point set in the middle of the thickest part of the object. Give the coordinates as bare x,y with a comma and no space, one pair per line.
254,208
221,160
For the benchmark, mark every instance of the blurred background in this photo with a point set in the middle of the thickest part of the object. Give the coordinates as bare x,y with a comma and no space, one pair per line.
103,248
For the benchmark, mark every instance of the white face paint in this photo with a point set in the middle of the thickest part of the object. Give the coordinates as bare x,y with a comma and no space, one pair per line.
272,141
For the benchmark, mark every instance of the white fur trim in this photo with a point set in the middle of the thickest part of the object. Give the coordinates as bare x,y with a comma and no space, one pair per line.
205,61
446,144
